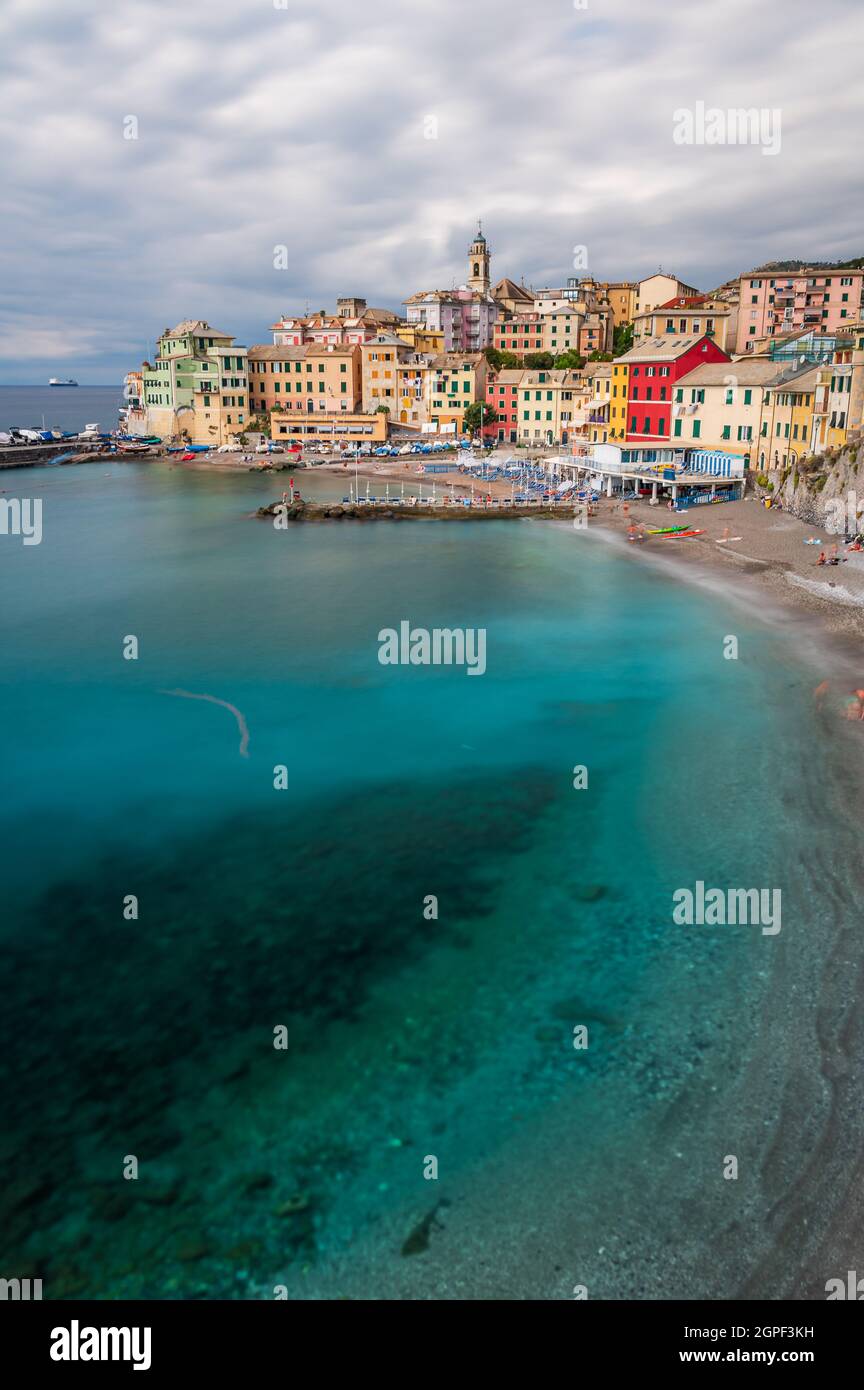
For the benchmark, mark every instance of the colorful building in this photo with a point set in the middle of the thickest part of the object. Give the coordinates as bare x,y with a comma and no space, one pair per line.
466,316
618,400
452,382
655,366
520,333
695,315
599,376
787,417
823,300
551,406
658,289
353,322
314,378
196,387
502,392
720,405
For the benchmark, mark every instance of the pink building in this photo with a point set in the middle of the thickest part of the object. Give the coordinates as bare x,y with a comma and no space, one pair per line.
822,300
466,317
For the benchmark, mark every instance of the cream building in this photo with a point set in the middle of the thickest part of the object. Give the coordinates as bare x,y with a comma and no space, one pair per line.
696,316
659,289
721,405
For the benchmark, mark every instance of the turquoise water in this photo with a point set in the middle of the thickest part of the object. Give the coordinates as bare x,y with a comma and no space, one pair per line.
303,907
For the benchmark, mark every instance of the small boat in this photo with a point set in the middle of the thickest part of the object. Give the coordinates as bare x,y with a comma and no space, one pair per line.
682,535
664,530
55,381
185,457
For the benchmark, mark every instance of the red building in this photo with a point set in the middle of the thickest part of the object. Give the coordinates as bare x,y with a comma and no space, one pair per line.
653,368
502,391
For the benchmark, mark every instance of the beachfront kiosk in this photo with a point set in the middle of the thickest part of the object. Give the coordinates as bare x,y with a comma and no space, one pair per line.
688,476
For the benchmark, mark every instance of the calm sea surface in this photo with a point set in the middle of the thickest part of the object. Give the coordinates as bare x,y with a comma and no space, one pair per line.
59,407
168,910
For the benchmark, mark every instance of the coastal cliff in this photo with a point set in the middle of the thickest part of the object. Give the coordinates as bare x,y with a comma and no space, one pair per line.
821,487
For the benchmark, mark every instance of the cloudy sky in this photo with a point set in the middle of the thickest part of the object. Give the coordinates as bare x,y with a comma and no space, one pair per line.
286,123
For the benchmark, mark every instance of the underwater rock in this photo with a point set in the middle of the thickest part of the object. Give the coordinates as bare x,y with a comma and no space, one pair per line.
257,1182
194,1250
112,1203
293,1206
590,892
418,1240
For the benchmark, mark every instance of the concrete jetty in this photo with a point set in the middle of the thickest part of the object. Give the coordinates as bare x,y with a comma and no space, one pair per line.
285,512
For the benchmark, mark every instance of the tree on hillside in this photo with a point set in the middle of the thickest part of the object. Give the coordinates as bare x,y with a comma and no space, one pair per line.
539,359
622,339
570,360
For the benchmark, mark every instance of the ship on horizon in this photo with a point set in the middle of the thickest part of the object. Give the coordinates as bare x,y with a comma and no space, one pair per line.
55,381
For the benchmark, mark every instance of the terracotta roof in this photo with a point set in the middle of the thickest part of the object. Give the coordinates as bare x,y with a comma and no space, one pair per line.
507,289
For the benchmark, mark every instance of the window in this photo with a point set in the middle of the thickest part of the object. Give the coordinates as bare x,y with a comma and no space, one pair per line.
748,397
697,429
677,429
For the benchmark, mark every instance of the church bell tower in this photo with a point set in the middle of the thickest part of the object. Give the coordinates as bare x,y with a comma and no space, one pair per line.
479,257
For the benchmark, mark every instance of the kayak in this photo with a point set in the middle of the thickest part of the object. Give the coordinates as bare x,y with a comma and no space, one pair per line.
664,530
683,535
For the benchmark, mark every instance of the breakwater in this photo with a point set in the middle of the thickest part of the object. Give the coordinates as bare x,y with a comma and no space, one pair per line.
399,511
31,455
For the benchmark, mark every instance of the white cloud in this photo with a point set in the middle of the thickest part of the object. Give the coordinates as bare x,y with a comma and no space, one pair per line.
304,127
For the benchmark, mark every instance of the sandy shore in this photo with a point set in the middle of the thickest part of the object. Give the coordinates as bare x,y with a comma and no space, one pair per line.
765,547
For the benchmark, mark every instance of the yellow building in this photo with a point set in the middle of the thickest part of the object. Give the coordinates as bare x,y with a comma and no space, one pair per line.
421,339
787,418
379,360
618,401
832,401
622,300
599,376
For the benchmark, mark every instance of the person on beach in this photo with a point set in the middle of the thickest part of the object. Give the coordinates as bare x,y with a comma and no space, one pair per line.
821,560
820,692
